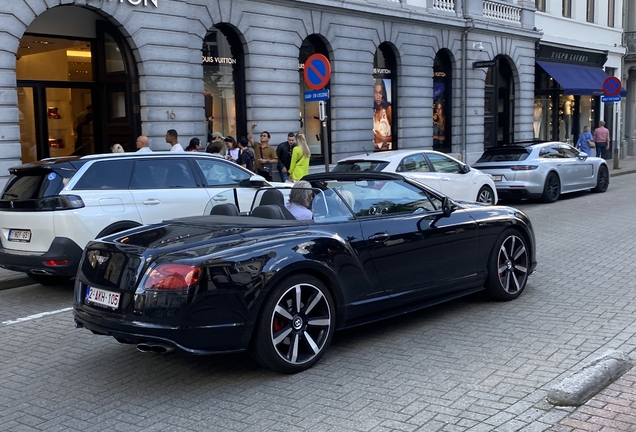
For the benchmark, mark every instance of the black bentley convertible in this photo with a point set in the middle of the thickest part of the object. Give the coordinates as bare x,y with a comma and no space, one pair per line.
378,245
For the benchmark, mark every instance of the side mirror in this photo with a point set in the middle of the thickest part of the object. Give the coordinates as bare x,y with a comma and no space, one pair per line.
465,169
447,207
258,181
582,155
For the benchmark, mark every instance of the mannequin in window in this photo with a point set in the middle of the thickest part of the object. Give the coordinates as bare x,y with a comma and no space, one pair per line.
568,105
536,124
439,126
382,117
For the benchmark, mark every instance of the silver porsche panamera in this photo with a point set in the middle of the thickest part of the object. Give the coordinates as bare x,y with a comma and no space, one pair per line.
544,170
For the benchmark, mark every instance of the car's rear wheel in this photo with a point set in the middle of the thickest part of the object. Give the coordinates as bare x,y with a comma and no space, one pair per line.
551,189
602,180
508,266
295,326
485,195
49,280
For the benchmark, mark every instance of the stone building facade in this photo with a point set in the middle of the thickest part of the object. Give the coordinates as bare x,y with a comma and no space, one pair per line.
77,76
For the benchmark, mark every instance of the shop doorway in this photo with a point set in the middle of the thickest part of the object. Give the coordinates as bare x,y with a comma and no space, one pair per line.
499,103
76,96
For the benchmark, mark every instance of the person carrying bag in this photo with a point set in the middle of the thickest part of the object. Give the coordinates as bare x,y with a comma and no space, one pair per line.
301,154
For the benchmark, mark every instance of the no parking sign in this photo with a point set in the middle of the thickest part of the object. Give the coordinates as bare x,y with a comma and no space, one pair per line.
317,71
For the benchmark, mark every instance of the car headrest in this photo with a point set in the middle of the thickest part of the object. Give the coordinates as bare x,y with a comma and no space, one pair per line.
273,196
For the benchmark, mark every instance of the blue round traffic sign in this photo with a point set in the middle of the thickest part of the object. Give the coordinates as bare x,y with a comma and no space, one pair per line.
612,86
317,71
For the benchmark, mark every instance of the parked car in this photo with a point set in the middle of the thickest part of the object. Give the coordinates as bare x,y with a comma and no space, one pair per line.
50,210
437,170
544,170
379,245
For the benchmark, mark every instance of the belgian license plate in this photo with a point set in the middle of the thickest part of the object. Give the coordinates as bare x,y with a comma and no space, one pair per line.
495,177
102,297
20,235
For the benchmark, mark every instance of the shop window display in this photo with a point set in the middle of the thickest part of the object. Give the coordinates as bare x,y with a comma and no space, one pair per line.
383,110
542,118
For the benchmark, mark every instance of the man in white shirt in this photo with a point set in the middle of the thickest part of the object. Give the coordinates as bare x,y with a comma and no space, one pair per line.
172,138
142,144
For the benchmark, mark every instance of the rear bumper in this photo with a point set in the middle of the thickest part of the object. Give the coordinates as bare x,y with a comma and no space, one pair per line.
205,339
517,192
62,248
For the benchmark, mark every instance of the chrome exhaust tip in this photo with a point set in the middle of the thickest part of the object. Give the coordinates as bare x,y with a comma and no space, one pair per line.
155,348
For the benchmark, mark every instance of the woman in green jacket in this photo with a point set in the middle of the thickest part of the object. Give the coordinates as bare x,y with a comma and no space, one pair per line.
300,159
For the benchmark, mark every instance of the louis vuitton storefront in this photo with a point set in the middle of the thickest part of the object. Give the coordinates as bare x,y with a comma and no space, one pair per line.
79,77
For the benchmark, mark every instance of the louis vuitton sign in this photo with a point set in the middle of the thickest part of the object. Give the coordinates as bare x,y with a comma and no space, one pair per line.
139,2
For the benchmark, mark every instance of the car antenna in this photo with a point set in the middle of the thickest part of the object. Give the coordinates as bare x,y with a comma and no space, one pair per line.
365,150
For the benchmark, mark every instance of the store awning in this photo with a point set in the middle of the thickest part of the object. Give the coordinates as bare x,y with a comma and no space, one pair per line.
576,79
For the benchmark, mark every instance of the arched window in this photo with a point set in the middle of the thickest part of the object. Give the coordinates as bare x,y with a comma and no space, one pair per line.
310,124
442,102
224,82
384,99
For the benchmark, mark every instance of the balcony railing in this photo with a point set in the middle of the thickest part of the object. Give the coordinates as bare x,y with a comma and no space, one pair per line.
502,11
444,5
629,40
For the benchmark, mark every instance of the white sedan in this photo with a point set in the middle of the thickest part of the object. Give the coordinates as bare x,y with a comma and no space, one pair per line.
437,170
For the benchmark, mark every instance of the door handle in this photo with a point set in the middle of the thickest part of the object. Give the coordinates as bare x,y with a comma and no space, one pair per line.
152,201
220,198
379,237
444,178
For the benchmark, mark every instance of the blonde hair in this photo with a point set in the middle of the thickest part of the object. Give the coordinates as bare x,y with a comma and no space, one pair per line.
117,148
302,142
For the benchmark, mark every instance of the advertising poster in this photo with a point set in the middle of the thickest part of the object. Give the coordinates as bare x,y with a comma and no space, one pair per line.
382,111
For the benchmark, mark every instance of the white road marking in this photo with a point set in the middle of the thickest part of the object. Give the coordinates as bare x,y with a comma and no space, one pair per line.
36,316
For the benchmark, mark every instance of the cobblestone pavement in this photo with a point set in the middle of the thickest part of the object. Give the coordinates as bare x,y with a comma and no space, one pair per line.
468,365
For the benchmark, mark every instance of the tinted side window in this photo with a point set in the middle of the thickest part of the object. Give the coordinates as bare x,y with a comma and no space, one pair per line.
415,163
111,174
444,164
162,173
219,173
550,152
360,166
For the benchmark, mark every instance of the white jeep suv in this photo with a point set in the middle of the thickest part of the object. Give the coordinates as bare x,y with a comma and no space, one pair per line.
50,209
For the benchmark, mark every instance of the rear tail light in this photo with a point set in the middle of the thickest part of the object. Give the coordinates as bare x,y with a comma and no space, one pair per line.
60,202
55,263
172,277
524,167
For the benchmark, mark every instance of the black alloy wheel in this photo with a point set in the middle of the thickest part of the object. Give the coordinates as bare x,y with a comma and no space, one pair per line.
485,195
602,180
551,189
296,325
508,266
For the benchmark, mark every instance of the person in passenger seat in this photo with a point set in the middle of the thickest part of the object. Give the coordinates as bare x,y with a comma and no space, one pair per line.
300,198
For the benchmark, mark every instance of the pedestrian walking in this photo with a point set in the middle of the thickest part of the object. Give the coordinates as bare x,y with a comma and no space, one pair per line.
232,152
601,139
194,145
172,138
265,155
586,143
246,154
284,154
301,154
143,145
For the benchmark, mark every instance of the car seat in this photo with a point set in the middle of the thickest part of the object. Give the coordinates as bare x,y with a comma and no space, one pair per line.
275,197
268,211
227,209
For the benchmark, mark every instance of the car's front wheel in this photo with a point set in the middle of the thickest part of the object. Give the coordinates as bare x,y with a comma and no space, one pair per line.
486,195
602,180
295,326
551,188
508,266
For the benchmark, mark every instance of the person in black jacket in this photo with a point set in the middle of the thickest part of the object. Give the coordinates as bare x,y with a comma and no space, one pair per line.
284,152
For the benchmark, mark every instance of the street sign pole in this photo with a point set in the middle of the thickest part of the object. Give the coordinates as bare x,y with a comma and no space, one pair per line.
322,115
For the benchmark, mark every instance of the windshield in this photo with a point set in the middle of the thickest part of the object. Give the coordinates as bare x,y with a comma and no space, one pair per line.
505,154
36,183
359,165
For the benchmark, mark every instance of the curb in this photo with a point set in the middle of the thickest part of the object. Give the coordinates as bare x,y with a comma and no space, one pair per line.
16,282
582,385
